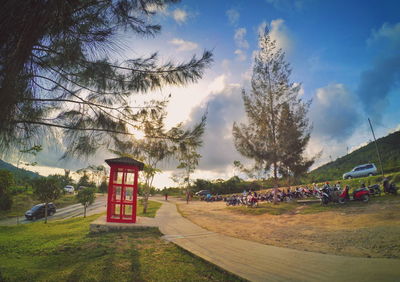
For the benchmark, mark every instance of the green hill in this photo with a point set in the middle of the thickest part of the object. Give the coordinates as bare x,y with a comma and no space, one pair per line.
389,148
21,176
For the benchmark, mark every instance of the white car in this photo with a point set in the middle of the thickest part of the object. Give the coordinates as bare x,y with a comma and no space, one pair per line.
69,189
360,171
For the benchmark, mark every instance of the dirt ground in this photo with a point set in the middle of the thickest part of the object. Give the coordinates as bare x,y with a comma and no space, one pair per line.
357,229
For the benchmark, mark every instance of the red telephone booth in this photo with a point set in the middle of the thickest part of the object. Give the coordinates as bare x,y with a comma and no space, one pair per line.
122,189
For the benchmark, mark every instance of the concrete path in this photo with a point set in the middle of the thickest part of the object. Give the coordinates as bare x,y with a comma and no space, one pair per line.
258,262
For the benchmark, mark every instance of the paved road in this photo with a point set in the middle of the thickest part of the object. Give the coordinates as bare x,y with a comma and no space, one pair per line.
258,262
98,206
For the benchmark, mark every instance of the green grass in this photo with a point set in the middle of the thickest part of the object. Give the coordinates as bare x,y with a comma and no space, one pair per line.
152,209
65,251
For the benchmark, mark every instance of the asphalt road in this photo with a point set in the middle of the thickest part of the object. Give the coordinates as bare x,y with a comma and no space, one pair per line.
76,210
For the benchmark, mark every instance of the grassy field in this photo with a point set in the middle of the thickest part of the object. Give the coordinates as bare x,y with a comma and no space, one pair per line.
65,251
152,209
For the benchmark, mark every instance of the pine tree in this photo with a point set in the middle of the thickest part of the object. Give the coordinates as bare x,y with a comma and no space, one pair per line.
271,91
58,70
293,137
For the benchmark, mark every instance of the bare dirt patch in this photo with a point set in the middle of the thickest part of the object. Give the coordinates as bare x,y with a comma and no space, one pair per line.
358,229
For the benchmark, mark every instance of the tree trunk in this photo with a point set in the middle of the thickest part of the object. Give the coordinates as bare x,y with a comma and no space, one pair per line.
275,184
188,189
45,213
84,211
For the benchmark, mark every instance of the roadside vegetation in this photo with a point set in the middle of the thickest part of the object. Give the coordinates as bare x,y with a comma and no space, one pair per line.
65,251
23,201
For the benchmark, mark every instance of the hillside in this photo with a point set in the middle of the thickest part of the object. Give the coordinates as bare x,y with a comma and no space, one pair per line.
20,175
389,148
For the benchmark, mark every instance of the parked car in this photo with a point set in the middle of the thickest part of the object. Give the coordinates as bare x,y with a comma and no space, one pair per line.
69,189
202,193
360,171
38,211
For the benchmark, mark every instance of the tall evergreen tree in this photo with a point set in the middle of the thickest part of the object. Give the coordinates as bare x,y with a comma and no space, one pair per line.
271,90
293,137
186,152
59,69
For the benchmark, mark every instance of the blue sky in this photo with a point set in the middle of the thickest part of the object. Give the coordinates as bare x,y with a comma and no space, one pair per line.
345,54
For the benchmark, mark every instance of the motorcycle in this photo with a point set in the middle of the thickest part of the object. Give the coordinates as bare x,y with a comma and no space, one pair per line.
325,195
253,202
374,190
360,194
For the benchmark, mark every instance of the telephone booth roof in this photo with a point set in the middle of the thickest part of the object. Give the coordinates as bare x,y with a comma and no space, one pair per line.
125,161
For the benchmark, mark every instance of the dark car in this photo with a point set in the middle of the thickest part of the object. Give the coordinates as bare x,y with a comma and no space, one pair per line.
38,211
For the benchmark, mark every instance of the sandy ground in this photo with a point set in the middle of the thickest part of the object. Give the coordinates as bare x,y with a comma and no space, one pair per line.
364,230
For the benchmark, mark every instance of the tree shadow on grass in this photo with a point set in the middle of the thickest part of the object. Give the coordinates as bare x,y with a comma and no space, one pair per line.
135,265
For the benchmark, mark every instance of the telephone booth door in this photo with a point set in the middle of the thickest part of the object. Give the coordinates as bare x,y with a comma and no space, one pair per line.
122,196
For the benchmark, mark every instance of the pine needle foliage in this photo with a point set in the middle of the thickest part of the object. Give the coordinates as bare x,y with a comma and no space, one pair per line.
277,130
57,70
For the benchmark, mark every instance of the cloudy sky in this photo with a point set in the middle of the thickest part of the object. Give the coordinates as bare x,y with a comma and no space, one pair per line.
344,53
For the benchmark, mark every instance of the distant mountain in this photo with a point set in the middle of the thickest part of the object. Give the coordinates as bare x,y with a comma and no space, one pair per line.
389,148
20,175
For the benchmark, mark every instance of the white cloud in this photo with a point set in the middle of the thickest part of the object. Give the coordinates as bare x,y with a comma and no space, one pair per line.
386,32
184,45
180,16
240,55
224,107
239,37
241,43
395,129
218,84
233,16
334,113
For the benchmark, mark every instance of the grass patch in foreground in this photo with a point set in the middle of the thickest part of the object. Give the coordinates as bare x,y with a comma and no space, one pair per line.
65,251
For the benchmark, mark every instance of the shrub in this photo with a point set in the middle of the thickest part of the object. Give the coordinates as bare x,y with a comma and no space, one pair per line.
103,188
6,180
396,178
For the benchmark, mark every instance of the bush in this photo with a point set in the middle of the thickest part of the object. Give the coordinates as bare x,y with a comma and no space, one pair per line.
6,202
103,188
396,178
15,190
6,180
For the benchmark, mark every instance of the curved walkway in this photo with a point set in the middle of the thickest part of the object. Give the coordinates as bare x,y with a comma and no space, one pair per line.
258,262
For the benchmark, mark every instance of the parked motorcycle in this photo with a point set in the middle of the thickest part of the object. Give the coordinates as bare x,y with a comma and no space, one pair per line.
374,190
326,195
360,194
